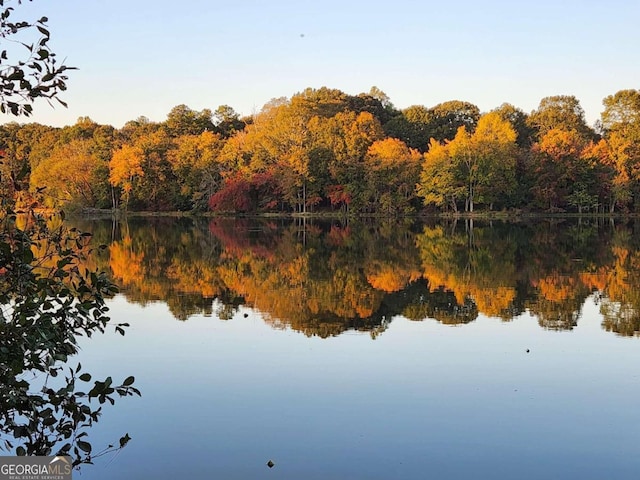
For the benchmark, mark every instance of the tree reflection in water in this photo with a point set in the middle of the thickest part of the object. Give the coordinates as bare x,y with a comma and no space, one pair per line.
323,277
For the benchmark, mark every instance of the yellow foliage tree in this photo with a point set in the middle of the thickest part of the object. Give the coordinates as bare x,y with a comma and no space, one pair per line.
124,167
71,175
476,167
392,171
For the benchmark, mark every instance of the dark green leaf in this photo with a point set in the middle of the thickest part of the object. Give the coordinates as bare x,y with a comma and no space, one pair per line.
84,446
124,440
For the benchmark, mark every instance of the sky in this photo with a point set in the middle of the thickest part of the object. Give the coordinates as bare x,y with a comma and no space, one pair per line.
142,57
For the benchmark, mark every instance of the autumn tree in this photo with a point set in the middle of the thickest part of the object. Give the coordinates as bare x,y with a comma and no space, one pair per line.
494,142
519,121
257,192
195,166
466,166
23,148
562,112
621,123
564,175
379,95
347,137
313,144
156,188
439,182
482,163
525,137
610,181
617,155
124,168
621,111
101,140
257,148
287,142
391,172
71,176
83,129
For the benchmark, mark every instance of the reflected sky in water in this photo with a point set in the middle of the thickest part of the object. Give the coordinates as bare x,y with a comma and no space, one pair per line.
422,400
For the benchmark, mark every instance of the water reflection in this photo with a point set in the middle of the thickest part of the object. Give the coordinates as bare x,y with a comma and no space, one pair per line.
322,278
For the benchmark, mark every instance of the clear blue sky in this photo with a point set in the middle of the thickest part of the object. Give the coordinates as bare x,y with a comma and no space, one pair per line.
143,57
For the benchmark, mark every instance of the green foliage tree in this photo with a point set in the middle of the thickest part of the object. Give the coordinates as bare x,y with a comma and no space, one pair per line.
182,120
561,112
376,102
417,125
449,116
140,127
413,126
48,295
36,72
48,298
227,121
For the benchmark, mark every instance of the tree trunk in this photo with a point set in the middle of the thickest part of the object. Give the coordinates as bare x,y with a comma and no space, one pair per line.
304,196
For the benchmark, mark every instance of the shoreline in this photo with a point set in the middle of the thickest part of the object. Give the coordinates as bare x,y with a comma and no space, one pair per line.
482,215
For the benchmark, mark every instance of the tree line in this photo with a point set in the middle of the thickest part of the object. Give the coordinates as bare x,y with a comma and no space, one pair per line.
323,150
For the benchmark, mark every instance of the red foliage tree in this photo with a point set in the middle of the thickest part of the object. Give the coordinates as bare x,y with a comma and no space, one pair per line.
259,192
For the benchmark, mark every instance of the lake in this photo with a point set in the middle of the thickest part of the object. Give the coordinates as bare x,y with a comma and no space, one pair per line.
364,350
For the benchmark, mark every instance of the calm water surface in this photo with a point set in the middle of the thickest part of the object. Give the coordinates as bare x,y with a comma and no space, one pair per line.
364,351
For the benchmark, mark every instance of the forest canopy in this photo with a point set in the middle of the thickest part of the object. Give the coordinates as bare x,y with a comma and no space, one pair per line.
323,150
